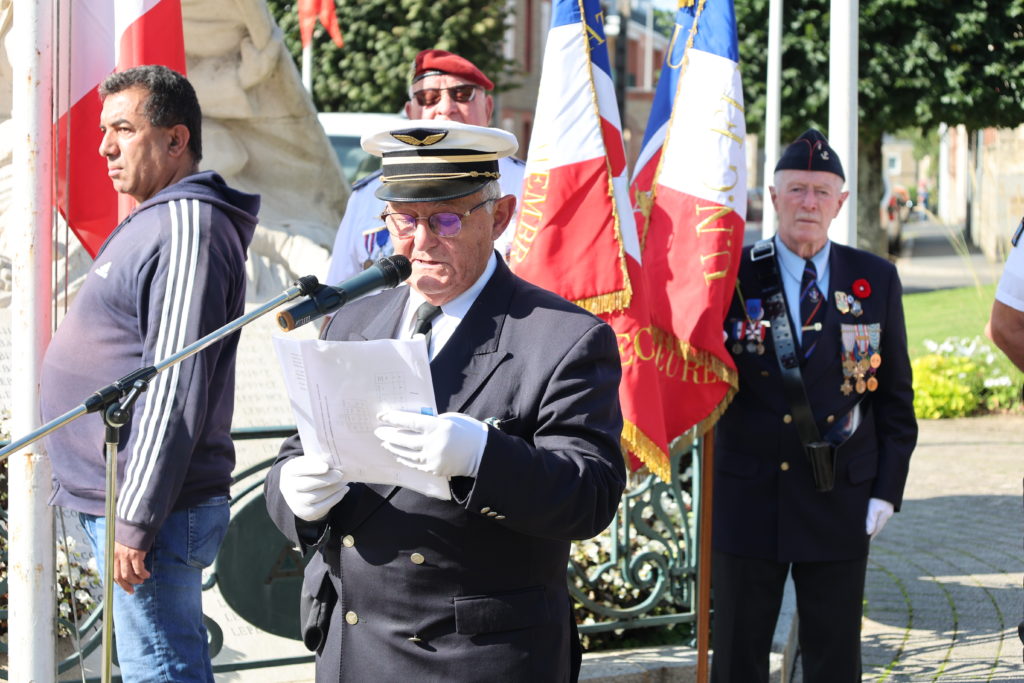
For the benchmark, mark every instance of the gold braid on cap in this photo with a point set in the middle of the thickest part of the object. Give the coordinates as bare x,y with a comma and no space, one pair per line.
439,176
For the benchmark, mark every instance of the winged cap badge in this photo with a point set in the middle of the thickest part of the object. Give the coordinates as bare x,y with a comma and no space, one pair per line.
420,137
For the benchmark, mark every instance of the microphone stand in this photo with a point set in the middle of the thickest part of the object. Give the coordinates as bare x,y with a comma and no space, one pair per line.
116,401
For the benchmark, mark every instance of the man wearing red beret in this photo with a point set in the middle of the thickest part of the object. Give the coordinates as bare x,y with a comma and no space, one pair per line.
444,86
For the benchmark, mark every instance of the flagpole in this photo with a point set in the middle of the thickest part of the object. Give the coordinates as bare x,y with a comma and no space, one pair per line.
771,114
31,595
649,47
704,556
307,67
842,109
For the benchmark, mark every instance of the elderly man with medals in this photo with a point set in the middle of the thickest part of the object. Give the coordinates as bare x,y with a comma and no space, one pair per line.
812,455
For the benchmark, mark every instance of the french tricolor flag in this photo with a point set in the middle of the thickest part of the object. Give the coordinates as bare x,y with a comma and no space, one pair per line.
98,37
690,192
575,231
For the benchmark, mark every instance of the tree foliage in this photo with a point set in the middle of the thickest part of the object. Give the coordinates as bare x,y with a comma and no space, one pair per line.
370,73
921,63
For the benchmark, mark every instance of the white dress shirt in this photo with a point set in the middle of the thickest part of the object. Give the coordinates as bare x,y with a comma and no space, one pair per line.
452,313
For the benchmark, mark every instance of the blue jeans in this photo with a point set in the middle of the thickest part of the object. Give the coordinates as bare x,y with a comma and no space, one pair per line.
159,629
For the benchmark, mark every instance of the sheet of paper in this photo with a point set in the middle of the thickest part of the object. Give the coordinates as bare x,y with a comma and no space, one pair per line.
337,389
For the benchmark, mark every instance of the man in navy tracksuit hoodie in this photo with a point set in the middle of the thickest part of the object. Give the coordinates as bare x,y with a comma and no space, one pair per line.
172,272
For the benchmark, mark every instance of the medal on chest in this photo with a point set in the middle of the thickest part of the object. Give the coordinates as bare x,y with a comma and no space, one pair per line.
748,333
860,356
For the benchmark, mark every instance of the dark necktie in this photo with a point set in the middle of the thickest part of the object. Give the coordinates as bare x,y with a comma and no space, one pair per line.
425,314
812,308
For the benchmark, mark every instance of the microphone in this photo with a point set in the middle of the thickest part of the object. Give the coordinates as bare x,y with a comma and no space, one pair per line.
383,274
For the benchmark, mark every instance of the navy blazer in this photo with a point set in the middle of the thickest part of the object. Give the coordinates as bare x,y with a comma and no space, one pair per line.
765,502
474,589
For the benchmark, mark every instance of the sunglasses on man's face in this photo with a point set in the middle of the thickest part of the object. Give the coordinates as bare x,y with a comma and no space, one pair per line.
428,97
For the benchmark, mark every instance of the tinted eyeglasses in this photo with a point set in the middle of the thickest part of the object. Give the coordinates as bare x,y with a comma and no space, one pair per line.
444,224
428,97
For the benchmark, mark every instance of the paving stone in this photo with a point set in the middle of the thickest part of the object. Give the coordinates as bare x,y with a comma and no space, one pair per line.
944,577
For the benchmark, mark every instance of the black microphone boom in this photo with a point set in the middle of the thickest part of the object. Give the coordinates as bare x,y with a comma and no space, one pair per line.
383,274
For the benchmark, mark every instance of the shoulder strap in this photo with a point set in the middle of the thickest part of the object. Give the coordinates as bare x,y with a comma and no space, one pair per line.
821,453
762,255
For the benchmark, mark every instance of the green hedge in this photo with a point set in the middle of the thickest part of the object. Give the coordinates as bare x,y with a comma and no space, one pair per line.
964,376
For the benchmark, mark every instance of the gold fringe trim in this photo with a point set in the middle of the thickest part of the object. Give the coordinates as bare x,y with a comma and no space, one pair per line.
607,303
636,442
685,3
620,300
689,352
708,422
684,442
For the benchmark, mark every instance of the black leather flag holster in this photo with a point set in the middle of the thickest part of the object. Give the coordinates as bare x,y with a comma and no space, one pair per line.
823,464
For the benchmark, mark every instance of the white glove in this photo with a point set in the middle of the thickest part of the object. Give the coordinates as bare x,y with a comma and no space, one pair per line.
448,445
879,512
310,487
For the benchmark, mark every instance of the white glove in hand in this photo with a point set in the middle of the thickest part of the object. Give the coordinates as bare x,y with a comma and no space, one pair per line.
310,487
879,512
448,445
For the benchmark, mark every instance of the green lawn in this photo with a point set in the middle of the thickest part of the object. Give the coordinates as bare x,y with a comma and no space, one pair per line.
946,313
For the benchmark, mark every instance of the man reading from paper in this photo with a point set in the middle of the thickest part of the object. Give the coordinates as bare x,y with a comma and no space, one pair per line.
405,586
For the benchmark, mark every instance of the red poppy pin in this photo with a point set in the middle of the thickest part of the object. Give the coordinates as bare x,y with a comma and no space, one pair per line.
861,288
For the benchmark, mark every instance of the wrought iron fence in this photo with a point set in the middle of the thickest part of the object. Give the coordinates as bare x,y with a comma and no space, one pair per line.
641,572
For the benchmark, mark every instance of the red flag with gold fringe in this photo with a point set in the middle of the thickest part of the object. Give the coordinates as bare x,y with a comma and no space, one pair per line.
692,215
575,232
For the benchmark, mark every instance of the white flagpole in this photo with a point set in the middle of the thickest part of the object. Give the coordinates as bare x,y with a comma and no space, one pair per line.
307,67
842,109
31,594
771,114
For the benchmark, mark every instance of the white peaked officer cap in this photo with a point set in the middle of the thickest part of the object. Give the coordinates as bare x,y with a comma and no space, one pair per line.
436,160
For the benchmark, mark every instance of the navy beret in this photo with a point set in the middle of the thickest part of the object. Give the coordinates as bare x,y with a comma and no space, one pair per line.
810,152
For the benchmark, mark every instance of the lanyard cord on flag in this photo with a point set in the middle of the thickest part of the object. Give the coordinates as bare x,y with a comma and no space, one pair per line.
648,200
743,303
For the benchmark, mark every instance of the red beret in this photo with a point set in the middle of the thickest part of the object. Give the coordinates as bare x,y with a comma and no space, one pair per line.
430,62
